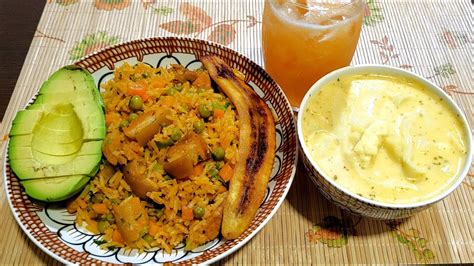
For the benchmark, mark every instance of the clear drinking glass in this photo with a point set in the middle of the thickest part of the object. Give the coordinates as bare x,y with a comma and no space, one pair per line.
304,40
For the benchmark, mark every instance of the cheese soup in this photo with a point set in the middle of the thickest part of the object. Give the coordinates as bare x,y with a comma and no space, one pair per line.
385,138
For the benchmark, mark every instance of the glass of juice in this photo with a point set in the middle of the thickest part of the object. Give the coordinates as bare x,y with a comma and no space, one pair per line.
303,40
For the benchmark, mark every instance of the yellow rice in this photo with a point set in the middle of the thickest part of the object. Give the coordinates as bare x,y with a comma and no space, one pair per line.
164,207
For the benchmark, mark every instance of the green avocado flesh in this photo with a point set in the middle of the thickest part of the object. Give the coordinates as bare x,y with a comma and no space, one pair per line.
56,143
47,189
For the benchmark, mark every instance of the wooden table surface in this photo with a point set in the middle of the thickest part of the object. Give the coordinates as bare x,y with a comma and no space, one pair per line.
307,229
18,22
17,26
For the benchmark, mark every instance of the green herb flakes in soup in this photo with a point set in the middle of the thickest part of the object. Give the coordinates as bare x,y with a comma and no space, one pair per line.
385,138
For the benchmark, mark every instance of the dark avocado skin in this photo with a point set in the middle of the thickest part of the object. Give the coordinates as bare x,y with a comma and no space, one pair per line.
55,144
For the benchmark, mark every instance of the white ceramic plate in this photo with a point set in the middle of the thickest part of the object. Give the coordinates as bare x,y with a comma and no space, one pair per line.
52,228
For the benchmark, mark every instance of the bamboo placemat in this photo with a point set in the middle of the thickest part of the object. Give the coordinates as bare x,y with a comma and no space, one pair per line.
432,38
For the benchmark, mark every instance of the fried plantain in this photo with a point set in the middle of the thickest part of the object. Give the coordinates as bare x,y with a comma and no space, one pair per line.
256,150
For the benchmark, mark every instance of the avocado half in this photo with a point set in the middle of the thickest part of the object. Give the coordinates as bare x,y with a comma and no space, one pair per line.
56,143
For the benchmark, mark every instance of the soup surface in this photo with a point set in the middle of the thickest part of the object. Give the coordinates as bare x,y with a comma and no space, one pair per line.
385,138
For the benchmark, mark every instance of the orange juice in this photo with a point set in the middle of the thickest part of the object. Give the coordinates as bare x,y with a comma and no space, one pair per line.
304,40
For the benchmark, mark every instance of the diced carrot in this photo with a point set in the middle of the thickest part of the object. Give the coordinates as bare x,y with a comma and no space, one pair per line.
198,170
226,172
117,236
158,83
112,118
153,228
187,213
218,113
138,89
100,208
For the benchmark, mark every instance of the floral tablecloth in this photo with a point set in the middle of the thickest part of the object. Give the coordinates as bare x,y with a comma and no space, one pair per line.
432,38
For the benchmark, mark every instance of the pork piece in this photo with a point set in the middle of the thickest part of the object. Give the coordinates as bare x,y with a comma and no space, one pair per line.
135,176
131,218
184,155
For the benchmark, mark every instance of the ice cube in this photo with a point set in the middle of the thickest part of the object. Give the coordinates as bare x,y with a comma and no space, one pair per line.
327,12
293,10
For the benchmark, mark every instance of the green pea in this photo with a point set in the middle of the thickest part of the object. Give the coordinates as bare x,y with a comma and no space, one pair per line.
109,217
216,106
164,143
198,126
148,238
176,134
199,212
204,111
124,123
218,154
132,117
102,226
178,87
171,91
145,75
136,103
